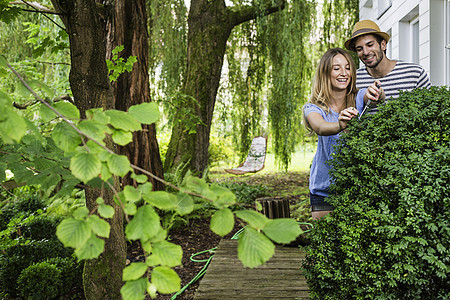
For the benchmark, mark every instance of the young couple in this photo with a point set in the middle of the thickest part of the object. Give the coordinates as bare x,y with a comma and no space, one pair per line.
340,92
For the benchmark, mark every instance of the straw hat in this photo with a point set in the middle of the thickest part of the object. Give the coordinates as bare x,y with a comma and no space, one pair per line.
365,27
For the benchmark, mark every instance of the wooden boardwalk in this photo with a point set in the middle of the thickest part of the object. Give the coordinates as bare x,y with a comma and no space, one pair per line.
279,278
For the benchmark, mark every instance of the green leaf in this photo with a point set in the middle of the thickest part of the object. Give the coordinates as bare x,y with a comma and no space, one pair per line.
105,173
134,290
134,271
139,178
3,61
130,209
106,211
166,280
169,254
131,193
144,225
121,137
13,127
5,100
98,115
46,113
161,200
224,197
98,226
151,290
94,129
85,166
95,148
65,137
73,233
122,120
254,249
81,213
282,231
222,222
145,188
119,165
253,218
68,110
145,113
185,204
91,249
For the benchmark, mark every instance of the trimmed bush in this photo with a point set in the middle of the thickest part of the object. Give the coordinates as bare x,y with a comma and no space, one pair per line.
388,237
40,228
16,258
71,276
30,204
40,281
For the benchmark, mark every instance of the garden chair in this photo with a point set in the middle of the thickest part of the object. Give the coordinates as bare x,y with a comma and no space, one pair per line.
255,158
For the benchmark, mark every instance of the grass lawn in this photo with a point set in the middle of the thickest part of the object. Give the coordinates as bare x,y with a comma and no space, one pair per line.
301,161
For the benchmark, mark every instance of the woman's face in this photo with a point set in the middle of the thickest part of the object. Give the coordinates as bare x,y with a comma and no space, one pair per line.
340,73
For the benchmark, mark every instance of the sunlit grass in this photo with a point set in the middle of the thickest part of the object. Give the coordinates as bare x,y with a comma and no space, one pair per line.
300,162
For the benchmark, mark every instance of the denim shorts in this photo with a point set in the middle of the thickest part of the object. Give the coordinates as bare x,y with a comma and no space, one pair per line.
318,203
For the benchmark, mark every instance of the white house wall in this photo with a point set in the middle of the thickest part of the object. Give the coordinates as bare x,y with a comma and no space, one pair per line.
434,32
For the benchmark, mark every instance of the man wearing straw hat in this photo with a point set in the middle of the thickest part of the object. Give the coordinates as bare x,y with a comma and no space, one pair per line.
369,42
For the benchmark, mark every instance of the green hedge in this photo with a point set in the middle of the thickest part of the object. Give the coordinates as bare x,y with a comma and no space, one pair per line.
388,237
14,259
55,278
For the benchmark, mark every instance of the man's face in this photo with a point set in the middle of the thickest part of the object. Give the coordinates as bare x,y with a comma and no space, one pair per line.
369,51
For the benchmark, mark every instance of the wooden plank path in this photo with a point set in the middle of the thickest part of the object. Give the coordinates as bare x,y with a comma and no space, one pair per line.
279,278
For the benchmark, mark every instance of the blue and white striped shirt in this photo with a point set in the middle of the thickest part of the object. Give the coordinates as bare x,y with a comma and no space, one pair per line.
405,76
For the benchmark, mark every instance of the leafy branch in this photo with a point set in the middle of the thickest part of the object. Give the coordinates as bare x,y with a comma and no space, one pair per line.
91,159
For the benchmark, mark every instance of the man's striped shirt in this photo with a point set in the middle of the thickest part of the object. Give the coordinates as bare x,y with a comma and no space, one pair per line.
404,76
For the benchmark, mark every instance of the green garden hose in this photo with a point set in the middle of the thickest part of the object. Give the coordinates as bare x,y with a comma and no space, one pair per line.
208,260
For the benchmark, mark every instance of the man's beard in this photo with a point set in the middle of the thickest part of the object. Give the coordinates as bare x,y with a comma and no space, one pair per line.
375,63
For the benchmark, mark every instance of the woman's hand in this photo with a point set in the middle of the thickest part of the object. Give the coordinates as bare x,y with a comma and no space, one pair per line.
345,116
375,93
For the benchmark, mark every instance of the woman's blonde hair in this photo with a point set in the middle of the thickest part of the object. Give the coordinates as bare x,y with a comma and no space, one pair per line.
322,88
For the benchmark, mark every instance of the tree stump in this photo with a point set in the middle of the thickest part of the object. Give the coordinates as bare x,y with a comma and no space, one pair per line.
274,207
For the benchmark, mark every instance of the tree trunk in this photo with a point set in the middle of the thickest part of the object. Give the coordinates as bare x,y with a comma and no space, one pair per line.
210,24
128,27
102,278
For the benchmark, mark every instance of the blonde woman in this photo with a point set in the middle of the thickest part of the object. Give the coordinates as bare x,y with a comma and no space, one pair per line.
334,102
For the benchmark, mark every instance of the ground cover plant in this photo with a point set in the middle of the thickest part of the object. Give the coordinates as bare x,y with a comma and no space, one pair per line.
388,237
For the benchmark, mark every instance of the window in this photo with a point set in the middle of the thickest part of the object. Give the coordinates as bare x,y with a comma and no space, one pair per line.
447,42
414,30
383,6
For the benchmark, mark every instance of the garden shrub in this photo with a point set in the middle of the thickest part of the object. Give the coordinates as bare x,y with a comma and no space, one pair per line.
388,237
25,205
71,276
40,281
40,228
16,258
30,204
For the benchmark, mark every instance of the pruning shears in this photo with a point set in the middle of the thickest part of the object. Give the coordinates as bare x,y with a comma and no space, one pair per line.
367,105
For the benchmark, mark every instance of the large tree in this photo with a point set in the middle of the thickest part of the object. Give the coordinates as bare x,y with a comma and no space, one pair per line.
85,25
91,88
210,24
128,27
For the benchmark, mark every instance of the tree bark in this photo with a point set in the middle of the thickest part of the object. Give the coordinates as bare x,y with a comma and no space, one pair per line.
210,24
128,27
102,278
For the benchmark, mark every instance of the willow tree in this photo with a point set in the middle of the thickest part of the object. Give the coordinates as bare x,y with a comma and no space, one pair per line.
210,24
271,59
